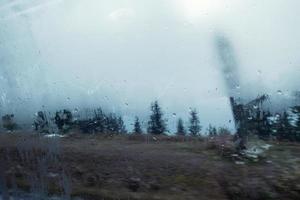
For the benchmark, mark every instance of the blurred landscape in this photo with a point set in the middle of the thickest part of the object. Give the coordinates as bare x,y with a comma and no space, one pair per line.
149,100
141,167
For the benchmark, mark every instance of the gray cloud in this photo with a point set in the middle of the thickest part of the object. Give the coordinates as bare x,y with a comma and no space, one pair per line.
124,54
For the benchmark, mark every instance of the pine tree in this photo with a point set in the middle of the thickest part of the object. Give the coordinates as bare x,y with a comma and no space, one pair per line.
156,124
296,112
99,120
137,126
115,124
180,127
121,126
212,131
284,131
8,122
64,120
215,132
112,123
194,127
265,129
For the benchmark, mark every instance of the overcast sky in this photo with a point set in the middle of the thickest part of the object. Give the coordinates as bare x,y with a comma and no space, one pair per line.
123,54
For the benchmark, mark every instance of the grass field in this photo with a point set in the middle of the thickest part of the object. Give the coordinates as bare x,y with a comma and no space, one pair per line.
127,167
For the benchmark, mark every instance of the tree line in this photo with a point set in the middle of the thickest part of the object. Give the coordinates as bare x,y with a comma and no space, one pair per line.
101,122
282,126
156,125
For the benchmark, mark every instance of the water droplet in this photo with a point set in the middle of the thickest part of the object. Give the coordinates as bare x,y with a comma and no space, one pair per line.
259,72
174,114
279,92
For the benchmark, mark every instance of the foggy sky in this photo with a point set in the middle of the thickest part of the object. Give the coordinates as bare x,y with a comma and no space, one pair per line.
124,54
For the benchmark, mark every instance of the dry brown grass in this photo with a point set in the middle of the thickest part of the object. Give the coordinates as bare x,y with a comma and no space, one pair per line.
108,167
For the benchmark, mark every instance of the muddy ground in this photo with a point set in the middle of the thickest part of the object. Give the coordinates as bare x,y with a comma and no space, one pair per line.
123,167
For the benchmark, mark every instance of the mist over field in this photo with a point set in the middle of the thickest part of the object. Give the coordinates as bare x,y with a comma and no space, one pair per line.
122,55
